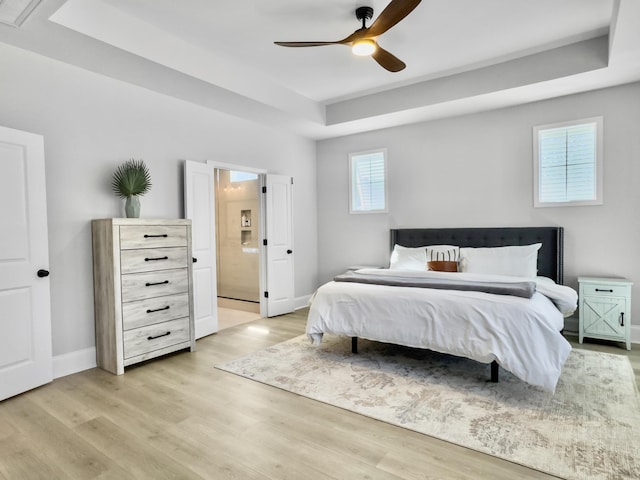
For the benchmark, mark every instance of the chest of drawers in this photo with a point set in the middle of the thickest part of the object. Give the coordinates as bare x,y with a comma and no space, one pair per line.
143,292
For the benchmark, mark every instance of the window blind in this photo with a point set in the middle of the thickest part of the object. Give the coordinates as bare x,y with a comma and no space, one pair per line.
567,163
368,182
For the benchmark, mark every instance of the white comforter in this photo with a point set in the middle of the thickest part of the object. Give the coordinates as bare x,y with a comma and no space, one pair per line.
522,334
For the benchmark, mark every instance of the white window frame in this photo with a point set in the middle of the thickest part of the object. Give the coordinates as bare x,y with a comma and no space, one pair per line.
383,151
598,200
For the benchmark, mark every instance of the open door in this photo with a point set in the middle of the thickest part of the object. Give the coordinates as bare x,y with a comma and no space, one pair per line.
199,204
280,291
25,302
278,282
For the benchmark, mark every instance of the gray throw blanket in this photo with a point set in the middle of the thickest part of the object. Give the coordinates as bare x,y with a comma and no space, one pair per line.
519,289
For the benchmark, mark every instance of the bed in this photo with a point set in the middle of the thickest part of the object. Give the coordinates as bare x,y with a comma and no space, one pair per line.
521,334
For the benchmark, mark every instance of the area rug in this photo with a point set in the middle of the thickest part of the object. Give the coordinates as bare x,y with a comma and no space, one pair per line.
588,429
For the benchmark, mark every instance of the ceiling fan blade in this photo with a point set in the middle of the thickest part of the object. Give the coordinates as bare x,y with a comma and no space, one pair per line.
391,15
357,35
305,44
388,60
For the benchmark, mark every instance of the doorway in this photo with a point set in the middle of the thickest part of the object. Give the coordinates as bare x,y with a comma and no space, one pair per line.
275,242
237,201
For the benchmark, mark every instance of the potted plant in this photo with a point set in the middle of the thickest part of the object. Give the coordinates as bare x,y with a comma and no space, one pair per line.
130,180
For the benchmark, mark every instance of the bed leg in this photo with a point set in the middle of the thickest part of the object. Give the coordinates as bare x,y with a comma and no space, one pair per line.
354,344
494,372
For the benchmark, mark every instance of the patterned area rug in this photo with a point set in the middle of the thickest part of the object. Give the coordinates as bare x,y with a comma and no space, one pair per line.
589,429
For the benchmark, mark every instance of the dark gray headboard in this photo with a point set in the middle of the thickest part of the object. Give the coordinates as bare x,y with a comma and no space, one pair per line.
550,255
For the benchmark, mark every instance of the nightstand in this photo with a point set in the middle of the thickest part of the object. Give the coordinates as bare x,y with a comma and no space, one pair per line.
605,309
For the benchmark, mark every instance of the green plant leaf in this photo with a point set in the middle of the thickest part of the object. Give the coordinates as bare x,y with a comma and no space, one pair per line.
131,178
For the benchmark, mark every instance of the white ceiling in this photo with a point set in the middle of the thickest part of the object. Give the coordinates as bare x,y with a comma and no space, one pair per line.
462,55
438,36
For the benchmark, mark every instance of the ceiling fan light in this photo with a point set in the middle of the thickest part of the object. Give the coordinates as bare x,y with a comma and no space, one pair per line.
364,47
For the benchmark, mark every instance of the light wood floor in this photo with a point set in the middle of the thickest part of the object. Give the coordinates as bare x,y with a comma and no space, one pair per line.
180,418
235,312
229,317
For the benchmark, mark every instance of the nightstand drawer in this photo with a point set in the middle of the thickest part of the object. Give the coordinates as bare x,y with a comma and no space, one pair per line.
151,259
608,290
154,337
138,286
152,236
154,310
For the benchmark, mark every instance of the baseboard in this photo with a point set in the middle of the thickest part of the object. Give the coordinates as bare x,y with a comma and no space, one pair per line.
302,302
80,360
571,325
74,362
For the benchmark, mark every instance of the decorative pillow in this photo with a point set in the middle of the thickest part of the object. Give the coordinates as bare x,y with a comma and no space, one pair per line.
518,261
447,253
442,266
408,258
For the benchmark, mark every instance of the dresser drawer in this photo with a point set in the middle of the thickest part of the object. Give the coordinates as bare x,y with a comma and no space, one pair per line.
138,286
150,259
154,310
604,290
154,337
152,236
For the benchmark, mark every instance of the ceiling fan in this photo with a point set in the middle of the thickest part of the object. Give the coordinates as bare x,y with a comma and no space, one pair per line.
363,41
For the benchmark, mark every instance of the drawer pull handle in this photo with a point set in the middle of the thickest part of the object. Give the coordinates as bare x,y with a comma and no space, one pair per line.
159,309
164,235
604,290
622,319
154,259
158,336
157,283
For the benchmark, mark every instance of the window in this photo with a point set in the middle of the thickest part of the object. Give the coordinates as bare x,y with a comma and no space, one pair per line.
567,160
235,176
368,182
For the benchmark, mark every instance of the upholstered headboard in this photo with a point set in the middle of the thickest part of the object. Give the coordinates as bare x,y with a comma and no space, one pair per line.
550,255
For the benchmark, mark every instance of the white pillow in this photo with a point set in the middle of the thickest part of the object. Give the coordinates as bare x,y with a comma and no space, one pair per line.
408,258
518,261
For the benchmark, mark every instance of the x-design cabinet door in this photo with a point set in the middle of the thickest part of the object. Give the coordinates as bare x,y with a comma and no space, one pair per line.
604,316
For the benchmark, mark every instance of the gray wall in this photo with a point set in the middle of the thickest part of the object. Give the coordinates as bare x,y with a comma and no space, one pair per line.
90,124
476,171
467,171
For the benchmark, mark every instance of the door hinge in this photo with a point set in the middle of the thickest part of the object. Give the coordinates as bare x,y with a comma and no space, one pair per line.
291,180
264,189
264,242
266,294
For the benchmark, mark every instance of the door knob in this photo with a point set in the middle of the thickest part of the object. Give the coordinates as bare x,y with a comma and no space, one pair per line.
42,273
289,252
194,259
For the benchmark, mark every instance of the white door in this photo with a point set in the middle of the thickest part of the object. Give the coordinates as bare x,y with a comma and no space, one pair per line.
279,235
25,307
199,201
